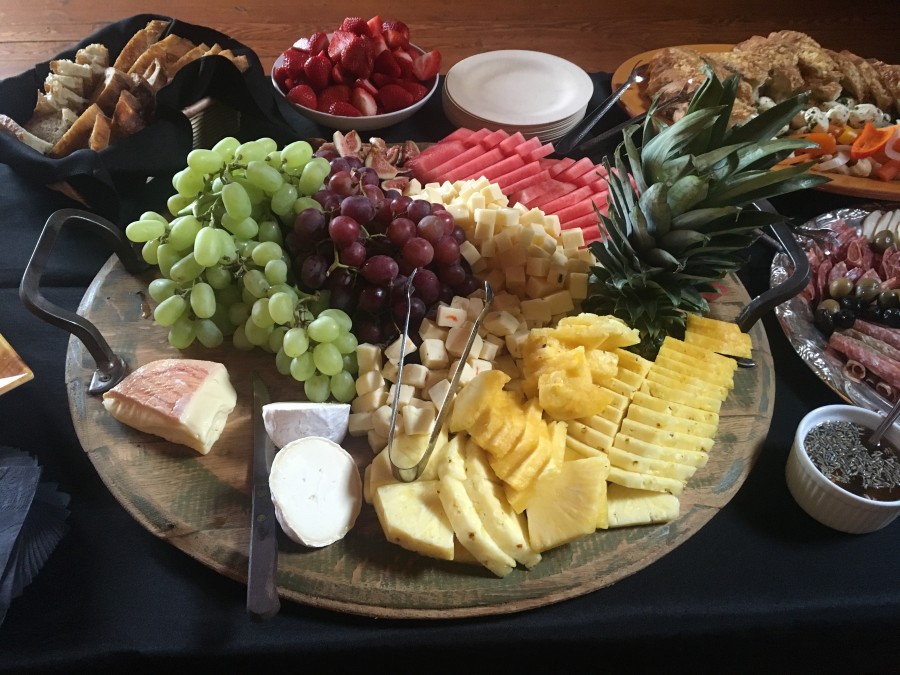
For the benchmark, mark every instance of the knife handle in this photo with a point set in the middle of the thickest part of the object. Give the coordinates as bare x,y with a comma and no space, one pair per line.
262,594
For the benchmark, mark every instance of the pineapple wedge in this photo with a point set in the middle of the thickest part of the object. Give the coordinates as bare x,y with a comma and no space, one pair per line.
643,481
502,523
568,504
668,422
469,529
475,396
477,463
412,516
628,507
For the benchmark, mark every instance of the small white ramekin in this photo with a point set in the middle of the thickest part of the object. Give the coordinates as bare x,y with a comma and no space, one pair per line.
822,499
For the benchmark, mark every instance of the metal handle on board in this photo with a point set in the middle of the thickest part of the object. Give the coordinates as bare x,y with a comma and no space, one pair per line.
111,368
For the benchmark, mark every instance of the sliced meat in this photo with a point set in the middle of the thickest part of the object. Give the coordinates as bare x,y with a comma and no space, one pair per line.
884,367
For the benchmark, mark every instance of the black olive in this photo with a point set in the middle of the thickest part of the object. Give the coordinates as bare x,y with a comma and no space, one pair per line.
871,313
850,302
824,321
889,298
844,319
891,317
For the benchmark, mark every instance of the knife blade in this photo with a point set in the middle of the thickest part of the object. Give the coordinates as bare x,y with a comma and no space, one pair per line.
262,594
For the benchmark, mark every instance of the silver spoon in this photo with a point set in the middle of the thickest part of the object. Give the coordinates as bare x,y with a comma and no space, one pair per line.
874,439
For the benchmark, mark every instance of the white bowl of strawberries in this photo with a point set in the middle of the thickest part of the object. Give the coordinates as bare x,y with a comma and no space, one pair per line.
365,75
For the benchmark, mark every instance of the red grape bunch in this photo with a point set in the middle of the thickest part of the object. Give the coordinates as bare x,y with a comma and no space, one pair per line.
364,243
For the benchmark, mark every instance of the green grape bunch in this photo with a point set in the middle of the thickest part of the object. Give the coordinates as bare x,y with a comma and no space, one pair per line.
224,271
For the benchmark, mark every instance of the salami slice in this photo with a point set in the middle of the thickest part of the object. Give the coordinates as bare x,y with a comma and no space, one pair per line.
876,344
883,333
880,365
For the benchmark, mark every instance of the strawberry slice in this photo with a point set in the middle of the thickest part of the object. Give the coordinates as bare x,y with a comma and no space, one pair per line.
396,33
282,75
427,65
405,61
315,43
417,90
363,101
343,109
366,84
339,41
357,25
303,95
355,57
333,94
318,71
377,45
293,60
380,79
386,63
393,97
375,25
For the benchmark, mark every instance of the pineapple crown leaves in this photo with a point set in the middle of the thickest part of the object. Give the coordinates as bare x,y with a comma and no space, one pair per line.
679,213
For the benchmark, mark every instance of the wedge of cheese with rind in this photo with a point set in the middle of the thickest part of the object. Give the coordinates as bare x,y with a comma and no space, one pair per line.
185,401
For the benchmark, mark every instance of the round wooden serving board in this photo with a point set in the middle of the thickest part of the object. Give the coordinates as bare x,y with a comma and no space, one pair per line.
201,504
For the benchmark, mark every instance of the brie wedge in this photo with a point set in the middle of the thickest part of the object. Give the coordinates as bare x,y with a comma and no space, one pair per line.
185,401
289,420
316,490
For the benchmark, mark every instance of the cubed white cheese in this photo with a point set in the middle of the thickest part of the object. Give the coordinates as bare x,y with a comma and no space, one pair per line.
438,392
560,302
577,285
414,375
501,323
450,317
467,374
369,380
381,420
392,352
433,354
418,420
536,309
480,365
572,238
360,423
368,356
489,350
406,393
435,376
537,267
457,338
376,441
389,371
369,402
475,307
429,330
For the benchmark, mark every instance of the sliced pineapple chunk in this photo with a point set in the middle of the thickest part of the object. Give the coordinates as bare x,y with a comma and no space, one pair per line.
412,516
643,481
469,529
627,507
568,504
503,524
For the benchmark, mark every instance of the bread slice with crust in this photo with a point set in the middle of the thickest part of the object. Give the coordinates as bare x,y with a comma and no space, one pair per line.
127,118
101,133
10,126
78,135
139,43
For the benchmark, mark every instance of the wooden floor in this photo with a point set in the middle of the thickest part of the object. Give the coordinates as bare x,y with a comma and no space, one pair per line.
596,34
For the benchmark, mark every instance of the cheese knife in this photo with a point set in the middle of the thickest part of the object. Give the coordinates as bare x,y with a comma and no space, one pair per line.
262,595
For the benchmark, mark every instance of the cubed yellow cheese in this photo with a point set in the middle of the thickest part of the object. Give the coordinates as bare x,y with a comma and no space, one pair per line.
368,357
392,352
369,380
433,354
371,401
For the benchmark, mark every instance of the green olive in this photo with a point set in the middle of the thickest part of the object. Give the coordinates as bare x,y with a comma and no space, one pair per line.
889,298
829,306
867,289
882,240
840,287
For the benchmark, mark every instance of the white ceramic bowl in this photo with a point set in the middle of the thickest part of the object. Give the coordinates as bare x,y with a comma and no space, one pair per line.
822,499
364,123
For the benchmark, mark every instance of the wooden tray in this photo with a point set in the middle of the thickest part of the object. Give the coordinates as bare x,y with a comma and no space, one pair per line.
201,504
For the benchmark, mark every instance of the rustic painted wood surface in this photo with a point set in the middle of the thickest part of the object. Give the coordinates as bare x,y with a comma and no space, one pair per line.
595,34
201,504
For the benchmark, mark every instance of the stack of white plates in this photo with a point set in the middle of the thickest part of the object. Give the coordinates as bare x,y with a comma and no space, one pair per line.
534,93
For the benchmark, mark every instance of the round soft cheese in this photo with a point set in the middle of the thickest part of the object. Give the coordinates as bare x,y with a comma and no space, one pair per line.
316,489
287,421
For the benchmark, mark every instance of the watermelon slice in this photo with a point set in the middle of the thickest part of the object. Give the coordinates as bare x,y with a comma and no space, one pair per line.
502,167
509,144
570,200
444,171
583,221
533,179
576,170
512,177
528,146
581,208
553,192
533,194
443,151
541,151
475,166
591,176
557,166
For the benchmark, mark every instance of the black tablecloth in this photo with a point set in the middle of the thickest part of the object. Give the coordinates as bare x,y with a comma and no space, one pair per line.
761,585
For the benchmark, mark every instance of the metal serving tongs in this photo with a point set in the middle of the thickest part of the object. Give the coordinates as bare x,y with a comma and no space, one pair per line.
568,142
408,474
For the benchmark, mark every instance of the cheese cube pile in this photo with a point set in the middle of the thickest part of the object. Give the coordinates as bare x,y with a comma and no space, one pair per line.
520,250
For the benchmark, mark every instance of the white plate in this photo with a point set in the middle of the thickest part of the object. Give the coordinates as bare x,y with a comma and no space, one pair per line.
519,87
